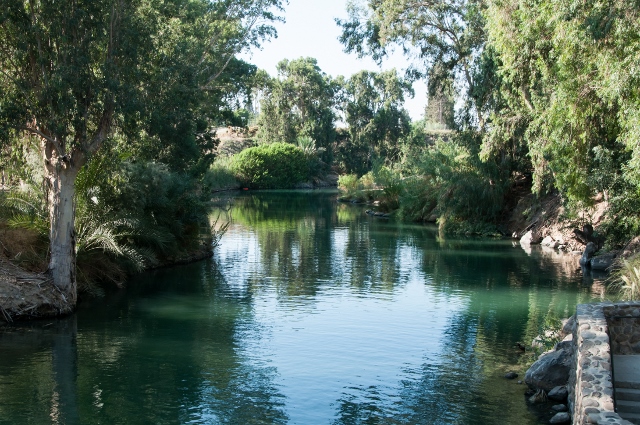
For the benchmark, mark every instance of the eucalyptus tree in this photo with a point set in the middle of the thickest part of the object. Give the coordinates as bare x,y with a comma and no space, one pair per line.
444,39
75,72
570,76
299,102
372,104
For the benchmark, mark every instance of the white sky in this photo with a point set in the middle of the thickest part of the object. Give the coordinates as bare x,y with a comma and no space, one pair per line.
310,31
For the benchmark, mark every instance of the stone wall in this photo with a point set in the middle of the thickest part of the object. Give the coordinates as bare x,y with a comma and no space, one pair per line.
624,327
591,384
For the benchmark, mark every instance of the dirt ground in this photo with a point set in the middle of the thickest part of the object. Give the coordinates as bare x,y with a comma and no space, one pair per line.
25,294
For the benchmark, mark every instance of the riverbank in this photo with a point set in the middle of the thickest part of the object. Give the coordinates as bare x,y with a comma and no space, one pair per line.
26,294
30,295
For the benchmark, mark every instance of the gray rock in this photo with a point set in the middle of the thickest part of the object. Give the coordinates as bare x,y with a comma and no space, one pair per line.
569,325
304,185
560,408
558,393
603,262
560,418
530,238
550,370
511,375
565,345
589,250
549,241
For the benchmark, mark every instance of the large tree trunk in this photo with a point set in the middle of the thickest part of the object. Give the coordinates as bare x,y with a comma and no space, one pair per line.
60,177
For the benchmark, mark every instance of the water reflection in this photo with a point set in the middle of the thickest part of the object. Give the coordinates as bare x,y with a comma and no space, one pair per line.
311,312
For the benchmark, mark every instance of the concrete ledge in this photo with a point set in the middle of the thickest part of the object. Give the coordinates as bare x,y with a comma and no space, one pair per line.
591,393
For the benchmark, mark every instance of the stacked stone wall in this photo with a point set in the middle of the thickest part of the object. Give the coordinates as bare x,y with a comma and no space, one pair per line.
591,383
624,327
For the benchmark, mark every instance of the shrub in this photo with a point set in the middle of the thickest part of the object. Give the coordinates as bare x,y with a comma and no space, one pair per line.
627,279
220,175
272,166
349,184
450,178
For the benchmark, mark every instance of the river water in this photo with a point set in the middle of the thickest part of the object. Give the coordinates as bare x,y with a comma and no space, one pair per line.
310,312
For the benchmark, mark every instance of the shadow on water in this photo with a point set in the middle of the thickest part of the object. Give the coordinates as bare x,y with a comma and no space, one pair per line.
311,312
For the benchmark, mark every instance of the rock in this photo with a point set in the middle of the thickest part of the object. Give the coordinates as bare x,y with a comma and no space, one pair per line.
558,393
569,325
603,262
560,418
511,375
565,345
548,241
304,185
590,249
530,238
551,369
560,408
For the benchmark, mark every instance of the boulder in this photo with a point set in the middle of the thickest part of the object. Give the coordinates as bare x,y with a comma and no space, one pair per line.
569,325
558,393
551,369
559,408
530,238
589,250
603,262
560,418
549,241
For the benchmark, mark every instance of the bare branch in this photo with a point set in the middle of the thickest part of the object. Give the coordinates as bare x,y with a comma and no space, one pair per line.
49,139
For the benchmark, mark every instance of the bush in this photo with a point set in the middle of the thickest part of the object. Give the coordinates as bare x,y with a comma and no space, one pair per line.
451,180
220,175
272,166
626,280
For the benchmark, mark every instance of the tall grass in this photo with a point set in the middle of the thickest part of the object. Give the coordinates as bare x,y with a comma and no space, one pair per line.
220,175
626,280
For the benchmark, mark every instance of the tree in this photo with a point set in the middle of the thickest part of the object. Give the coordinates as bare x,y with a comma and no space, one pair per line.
299,103
372,104
72,73
446,37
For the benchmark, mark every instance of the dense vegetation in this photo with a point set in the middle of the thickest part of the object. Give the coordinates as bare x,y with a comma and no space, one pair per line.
549,92
116,102
272,166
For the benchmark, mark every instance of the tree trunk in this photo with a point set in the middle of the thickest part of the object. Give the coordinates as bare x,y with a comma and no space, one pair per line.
60,176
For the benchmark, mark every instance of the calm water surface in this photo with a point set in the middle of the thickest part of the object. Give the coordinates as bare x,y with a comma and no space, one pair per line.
310,312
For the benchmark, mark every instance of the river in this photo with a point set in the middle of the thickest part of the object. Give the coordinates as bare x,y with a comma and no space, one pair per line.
310,312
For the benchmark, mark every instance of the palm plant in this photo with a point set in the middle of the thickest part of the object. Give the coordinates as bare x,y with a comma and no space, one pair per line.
626,280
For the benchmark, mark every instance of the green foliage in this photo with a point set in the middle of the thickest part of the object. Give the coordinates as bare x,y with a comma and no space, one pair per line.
372,104
382,185
566,98
317,167
156,75
299,103
276,165
451,181
447,38
349,184
220,175
626,280
549,334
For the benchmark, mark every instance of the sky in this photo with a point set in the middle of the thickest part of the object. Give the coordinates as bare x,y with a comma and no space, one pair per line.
310,31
